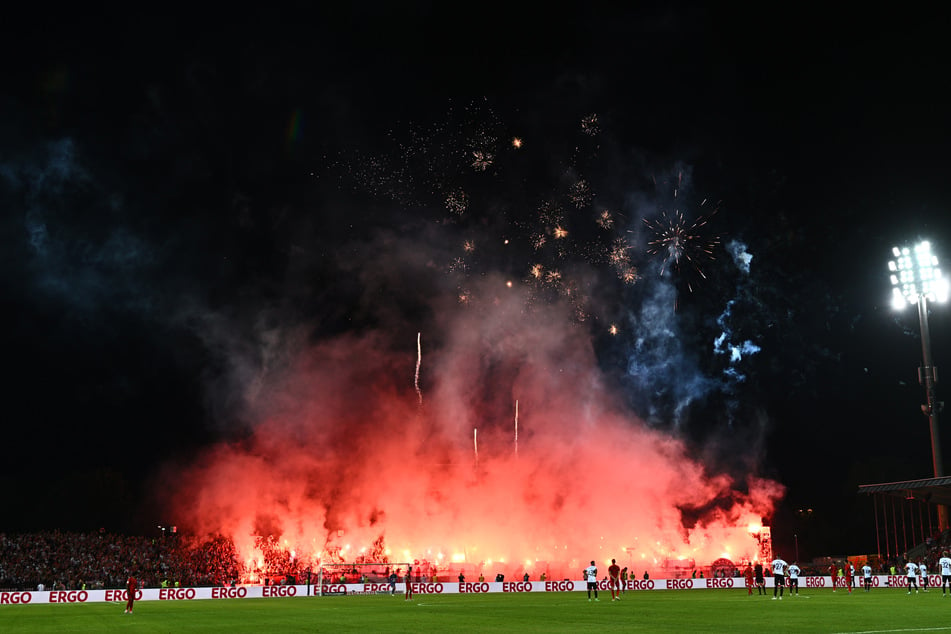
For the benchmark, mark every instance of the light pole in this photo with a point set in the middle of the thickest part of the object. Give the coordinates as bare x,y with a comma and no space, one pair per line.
916,279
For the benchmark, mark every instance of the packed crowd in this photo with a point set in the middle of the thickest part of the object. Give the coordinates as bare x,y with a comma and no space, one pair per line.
57,560
76,561
60,560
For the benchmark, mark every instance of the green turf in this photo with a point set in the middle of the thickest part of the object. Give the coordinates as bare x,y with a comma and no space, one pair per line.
882,610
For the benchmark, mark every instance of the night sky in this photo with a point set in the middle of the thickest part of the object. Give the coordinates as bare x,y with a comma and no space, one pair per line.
189,199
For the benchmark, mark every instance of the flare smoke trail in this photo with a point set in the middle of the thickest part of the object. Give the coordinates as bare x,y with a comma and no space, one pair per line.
516,427
419,361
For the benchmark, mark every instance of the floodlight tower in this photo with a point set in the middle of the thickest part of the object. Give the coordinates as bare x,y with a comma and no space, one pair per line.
916,279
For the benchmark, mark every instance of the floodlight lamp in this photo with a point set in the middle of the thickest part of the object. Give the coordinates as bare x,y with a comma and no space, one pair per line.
940,288
917,275
898,299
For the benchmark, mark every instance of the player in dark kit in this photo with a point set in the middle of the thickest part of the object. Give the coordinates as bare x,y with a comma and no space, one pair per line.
760,580
130,594
614,580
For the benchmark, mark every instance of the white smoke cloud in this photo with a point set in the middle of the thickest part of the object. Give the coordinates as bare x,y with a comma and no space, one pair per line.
741,257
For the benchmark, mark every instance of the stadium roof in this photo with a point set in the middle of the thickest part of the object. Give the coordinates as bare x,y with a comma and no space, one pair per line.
931,490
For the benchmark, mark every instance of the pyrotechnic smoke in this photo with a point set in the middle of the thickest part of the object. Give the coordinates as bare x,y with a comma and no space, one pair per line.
341,452
342,456
90,269
725,343
665,377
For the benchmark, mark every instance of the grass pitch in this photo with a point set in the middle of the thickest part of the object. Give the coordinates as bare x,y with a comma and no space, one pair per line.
880,611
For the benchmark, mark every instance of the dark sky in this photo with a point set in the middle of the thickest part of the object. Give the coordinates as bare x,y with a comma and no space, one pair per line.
181,190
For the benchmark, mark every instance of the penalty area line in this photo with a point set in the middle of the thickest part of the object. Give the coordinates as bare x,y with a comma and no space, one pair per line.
905,629
442,604
469,603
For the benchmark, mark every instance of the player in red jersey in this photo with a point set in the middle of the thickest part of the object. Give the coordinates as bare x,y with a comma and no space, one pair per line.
614,580
847,572
409,584
834,573
748,573
130,594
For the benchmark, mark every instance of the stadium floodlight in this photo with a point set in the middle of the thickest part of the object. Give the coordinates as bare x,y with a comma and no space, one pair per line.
915,274
916,279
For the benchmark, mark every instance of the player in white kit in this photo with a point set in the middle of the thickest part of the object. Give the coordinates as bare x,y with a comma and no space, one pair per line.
779,576
944,564
912,576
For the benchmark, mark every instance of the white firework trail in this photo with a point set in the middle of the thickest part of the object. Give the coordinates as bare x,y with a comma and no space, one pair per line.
419,360
516,427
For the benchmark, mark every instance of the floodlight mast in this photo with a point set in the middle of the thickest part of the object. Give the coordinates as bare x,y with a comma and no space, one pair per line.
916,279
929,379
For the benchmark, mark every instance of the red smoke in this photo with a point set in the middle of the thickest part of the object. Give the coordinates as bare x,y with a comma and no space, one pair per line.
344,452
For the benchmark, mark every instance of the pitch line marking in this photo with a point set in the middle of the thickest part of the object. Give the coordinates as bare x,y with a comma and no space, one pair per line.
908,629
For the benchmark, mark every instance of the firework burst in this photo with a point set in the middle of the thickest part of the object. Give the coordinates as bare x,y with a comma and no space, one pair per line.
682,246
481,160
457,201
605,219
619,255
590,125
580,194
